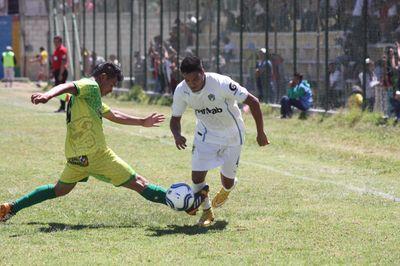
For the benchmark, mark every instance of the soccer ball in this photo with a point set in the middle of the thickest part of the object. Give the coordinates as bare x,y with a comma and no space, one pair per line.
180,196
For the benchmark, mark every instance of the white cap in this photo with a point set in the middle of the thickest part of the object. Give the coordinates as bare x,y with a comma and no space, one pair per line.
368,61
8,47
263,50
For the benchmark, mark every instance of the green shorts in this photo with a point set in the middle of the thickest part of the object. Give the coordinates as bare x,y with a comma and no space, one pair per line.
104,165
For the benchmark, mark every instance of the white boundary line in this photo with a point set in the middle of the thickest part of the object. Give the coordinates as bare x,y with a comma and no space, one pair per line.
362,191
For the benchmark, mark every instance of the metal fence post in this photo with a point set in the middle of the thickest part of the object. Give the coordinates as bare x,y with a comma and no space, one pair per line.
266,24
145,43
267,56
63,13
326,55
94,34
365,50
218,33
84,36
119,33
178,12
294,36
197,26
73,40
161,28
318,51
105,29
131,46
241,42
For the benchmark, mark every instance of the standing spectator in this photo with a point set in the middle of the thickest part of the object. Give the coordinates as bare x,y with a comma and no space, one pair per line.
41,58
395,64
384,91
299,96
9,62
336,85
59,66
229,48
371,82
395,102
279,81
263,75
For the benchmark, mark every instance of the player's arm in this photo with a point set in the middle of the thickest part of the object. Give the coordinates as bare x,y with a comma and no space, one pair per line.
175,126
57,90
118,117
255,108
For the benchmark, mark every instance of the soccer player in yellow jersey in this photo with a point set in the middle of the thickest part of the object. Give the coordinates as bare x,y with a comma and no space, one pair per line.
85,146
41,58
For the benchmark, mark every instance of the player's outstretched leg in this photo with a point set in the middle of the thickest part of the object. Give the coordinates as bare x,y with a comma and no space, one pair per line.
42,193
222,196
147,190
199,198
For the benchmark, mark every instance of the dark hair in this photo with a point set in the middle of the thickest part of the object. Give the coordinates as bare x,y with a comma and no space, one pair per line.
110,69
298,75
191,64
58,37
41,48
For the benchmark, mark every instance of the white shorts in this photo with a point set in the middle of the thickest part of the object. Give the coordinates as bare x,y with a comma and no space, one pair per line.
207,156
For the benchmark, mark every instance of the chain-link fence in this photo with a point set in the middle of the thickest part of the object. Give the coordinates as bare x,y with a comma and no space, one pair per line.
259,43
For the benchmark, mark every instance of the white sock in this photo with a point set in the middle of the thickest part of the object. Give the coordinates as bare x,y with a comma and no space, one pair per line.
206,203
197,187
230,189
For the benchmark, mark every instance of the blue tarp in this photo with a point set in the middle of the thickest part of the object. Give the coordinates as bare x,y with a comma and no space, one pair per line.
5,37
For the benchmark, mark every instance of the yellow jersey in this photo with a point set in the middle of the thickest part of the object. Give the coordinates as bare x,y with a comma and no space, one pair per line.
43,57
84,120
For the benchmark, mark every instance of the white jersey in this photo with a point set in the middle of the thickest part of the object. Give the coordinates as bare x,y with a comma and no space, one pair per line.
219,120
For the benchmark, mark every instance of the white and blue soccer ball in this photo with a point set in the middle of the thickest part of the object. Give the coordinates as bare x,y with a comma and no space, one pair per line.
180,196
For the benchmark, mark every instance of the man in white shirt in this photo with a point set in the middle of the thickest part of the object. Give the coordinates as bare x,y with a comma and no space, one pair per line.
219,133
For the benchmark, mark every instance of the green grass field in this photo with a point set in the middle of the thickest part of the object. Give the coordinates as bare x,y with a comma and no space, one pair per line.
324,192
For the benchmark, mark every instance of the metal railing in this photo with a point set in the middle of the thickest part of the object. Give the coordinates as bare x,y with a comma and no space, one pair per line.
326,41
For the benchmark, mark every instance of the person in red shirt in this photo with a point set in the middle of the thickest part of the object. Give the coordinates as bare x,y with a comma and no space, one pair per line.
59,66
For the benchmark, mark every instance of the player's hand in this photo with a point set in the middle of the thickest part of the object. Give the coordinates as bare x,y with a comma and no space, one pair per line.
262,139
153,120
38,97
180,142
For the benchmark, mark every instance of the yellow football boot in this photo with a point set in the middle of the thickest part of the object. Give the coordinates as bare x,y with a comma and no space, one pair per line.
220,198
207,218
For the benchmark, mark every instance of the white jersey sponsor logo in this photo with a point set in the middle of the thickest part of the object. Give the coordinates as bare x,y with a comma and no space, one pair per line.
219,119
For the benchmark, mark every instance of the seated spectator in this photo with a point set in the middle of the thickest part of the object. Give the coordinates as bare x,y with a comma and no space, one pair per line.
356,99
299,96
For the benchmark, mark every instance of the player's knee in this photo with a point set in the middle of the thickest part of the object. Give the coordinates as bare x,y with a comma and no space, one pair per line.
63,189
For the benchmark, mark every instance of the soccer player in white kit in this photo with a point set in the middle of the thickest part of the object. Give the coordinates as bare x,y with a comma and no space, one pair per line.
219,133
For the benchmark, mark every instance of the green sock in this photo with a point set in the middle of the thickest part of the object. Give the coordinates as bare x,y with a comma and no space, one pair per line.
154,193
38,195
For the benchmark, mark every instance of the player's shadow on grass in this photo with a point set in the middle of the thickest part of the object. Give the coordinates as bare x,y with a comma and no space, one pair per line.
56,227
188,229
